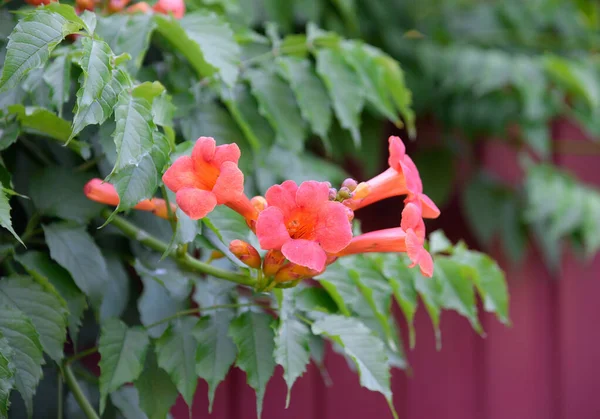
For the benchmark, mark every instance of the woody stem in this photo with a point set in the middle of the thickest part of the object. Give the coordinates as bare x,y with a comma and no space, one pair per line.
185,260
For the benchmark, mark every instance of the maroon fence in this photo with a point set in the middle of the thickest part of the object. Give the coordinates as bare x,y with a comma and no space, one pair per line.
546,366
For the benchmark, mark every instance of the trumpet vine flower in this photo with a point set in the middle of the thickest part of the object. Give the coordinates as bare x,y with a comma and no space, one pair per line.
303,223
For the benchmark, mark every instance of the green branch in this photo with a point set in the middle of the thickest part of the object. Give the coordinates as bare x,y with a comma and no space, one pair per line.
83,402
185,260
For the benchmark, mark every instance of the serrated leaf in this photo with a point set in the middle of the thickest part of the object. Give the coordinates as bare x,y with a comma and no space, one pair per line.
439,243
5,220
216,351
135,182
155,303
337,283
58,77
227,224
123,352
176,354
315,299
401,95
277,104
74,249
253,336
41,121
157,393
344,89
310,93
365,349
206,41
57,191
9,133
127,400
489,280
32,41
116,293
291,343
27,352
38,263
430,291
41,303
7,376
457,290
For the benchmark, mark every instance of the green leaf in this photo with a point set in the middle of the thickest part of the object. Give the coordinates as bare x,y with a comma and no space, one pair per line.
57,191
277,104
7,376
291,343
135,182
216,351
591,225
32,41
157,393
227,224
436,168
39,264
365,349
5,220
41,303
315,299
400,93
128,34
123,351
253,336
41,121
206,41
176,353
127,400
9,133
457,290
310,93
58,77
27,352
489,280
439,243
430,292
337,283
116,293
576,77
482,204
74,249
344,89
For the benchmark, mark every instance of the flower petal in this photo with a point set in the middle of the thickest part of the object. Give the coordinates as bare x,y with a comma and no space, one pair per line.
417,254
305,253
227,152
270,229
333,229
204,149
180,175
413,176
290,186
430,210
397,153
411,215
281,196
196,203
230,183
312,194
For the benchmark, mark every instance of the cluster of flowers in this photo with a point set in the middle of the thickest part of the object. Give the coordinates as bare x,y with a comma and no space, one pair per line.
302,227
176,7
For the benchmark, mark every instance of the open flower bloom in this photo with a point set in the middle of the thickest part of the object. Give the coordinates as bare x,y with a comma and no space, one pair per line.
402,178
208,178
105,193
303,223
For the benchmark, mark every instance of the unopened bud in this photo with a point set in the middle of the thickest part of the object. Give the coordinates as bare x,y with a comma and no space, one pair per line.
259,202
293,272
344,193
246,253
362,190
160,208
215,254
332,194
350,183
140,7
273,261
115,6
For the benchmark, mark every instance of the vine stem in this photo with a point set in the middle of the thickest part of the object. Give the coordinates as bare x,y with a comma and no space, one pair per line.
83,402
184,260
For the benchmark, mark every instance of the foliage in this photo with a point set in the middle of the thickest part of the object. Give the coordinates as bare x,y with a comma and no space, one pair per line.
296,105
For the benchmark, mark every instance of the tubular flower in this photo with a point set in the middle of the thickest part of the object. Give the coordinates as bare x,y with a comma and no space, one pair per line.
105,193
177,7
208,178
303,223
246,253
402,178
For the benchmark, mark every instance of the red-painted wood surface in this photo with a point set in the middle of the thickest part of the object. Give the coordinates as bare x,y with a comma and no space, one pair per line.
546,366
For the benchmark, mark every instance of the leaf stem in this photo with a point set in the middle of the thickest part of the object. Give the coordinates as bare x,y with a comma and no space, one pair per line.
199,310
83,402
81,354
186,261
60,397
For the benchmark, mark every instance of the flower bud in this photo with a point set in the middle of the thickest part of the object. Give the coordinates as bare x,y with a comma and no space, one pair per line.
215,254
362,190
259,202
176,7
332,194
350,183
293,272
85,5
115,6
344,193
246,253
141,7
273,261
